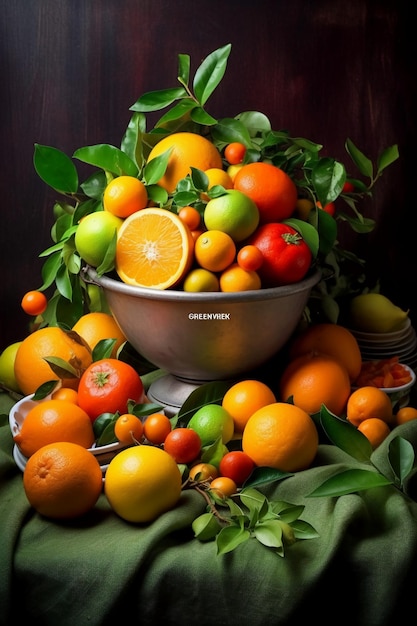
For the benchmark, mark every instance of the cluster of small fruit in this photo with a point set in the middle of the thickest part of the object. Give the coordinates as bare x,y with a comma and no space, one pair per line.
231,237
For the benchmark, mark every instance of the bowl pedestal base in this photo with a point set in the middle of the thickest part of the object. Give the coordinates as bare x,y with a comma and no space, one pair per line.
171,392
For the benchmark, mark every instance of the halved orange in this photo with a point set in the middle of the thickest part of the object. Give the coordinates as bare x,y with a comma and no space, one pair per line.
154,249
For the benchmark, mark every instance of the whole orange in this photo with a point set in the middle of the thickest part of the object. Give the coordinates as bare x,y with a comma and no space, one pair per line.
333,340
31,367
124,195
405,414
368,401
187,150
282,436
235,278
313,380
50,421
272,190
156,427
62,480
95,326
128,428
223,486
375,430
214,250
245,397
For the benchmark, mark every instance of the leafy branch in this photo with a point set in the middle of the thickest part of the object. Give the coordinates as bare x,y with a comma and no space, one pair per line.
400,456
249,514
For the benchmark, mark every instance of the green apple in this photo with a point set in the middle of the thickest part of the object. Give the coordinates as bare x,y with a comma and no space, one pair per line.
94,234
7,358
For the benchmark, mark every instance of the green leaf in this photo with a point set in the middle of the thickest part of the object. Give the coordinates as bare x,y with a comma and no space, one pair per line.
308,233
328,176
401,457
344,435
185,198
263,476
387,157
362,162
50,269
184,69
61,368
108,158
178,111
132,139
228,130
156,167
255,121
44,390
63,282
269,533
94,186
208,393
288,513
205,527
304,530
55,168
255,502
199,179
349,481
101,423
103,349
157,194
210,73
230,537
327,230
157,100
200,116
143,410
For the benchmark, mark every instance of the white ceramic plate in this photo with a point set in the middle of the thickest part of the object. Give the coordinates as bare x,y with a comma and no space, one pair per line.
400,395
396,334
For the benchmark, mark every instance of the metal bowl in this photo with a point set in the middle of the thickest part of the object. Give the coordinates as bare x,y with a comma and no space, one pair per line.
200,337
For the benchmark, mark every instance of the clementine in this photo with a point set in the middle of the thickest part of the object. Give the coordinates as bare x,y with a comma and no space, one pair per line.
50,421
32,368
366,402
95,326
272,190
333,340
62,480
313,380
282,436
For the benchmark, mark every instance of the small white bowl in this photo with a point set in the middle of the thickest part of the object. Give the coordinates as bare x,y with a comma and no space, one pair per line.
18,412
400,396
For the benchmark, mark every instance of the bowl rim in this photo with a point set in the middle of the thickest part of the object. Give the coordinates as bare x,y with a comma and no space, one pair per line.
90,275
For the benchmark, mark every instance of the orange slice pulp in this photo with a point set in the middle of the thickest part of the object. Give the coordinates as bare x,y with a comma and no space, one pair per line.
154,249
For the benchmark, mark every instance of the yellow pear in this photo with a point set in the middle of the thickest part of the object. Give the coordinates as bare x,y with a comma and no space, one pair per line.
375,313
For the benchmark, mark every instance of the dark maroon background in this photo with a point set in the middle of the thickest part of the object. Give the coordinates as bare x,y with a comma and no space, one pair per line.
325,70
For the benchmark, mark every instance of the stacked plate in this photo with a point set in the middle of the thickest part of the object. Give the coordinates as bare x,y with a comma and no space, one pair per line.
401,343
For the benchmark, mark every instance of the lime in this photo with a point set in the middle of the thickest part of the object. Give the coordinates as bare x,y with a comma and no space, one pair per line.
201,279
7,358
234,213
211,422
